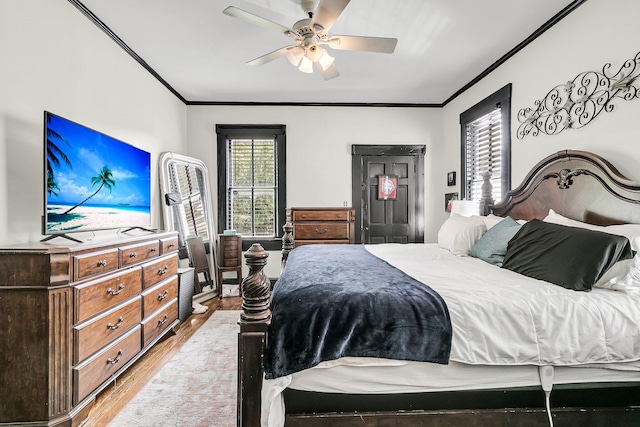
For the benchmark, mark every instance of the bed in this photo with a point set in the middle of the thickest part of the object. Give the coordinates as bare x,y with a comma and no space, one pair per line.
494,341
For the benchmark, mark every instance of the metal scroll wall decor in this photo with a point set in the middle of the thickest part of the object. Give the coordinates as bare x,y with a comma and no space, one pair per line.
579,101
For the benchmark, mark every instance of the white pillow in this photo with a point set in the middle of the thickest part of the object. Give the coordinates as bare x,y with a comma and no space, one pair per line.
630,231
491,220
624,276
459,233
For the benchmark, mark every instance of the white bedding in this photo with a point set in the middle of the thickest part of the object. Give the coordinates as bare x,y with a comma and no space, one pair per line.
500,319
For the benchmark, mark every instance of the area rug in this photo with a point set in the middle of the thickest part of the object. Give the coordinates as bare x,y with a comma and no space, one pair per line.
197,387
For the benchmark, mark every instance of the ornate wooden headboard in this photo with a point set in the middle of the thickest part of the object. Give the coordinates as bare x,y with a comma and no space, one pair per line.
578,185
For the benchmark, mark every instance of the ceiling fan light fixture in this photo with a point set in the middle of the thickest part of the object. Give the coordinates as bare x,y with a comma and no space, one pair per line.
334,42
295,55
306,66
326,60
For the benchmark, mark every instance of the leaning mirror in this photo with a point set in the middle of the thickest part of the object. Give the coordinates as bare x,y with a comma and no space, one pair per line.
184,183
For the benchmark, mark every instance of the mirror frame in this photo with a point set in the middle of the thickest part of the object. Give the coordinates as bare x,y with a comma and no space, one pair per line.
165,162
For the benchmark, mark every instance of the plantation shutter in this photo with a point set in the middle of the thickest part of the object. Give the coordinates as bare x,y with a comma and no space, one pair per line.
484,154
189,215
252,186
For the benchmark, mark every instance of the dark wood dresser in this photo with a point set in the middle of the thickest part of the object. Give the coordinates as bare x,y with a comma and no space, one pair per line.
322,225
75,316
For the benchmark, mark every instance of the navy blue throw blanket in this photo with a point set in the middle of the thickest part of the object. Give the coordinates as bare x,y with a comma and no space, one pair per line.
334,301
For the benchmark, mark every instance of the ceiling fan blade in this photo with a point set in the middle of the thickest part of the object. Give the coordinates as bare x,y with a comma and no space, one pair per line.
367,44
255,19
329,73
261,60
327,12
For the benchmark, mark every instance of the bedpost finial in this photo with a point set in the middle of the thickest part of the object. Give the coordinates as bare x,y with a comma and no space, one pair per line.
287,242
486,199
256,287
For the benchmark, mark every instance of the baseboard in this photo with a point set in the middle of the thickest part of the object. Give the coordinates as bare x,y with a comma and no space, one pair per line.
205,296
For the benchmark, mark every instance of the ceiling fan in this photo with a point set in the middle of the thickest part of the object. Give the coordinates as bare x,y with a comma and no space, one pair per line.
310,34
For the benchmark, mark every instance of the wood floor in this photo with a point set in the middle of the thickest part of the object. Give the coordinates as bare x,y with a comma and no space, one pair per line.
113,398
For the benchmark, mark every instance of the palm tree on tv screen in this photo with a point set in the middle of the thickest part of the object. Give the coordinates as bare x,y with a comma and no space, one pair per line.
54,156
104,178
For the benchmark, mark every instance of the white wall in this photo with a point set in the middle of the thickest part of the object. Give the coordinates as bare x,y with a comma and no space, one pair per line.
319,143
53,58
598,32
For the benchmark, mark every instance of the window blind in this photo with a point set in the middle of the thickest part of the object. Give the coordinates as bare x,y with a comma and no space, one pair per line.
252,186
484,154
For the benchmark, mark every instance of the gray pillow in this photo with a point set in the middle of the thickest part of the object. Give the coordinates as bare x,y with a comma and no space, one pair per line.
493,244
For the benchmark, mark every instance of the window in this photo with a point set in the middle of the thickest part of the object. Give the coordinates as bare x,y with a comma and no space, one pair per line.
251,182
486,146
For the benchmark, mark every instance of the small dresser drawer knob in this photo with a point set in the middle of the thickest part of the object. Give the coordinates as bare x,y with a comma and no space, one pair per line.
163,295
102,263
163,320
318,231
117,325
163,270
133,255
112,292
113,361
153,249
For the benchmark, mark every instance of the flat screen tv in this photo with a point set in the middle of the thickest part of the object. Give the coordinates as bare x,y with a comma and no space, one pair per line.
92,181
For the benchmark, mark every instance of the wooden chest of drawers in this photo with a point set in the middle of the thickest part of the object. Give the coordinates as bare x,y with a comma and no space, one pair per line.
230,250
322,225
76,316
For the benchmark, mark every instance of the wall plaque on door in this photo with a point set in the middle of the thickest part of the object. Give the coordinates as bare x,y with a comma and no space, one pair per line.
387,187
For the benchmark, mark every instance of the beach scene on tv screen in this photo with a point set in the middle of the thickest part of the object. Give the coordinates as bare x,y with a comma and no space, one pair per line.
93,181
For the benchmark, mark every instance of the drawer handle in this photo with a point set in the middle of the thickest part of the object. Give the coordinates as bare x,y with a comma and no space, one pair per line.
153,249
163,270
321,231
163,295
116,359
171,245
133,255
112,292
117,325
163,320
102,263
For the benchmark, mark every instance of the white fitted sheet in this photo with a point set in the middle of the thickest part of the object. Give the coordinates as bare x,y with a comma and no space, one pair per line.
381,376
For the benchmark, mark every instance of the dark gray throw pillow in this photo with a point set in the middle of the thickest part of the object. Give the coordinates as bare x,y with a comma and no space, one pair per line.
493,244
574,258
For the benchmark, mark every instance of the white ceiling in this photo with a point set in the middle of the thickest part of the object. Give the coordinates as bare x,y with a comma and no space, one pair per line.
443,45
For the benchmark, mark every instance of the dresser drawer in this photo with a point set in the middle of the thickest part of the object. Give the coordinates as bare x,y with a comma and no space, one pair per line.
94,334
93,297
156,296
155,271
321,215
159,321
96,370
168,245
140,252
321,230
87,265
320,242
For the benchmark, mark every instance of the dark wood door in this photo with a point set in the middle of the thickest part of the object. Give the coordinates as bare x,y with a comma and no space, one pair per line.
395,220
